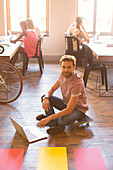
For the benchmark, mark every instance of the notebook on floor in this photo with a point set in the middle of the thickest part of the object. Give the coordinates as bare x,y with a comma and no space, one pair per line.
30,133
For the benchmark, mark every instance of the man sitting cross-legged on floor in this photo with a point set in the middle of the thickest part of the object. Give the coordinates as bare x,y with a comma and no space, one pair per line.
74,103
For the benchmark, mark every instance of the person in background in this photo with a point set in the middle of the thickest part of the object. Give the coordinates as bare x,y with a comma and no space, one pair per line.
30,41
72,107
77,29
31,26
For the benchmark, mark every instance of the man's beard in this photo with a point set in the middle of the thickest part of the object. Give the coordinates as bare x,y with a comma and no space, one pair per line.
67,74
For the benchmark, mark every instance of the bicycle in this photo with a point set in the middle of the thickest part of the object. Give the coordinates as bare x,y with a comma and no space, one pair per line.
11,83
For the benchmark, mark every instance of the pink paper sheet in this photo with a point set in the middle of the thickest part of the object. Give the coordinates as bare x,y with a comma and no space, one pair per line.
11,159
89,159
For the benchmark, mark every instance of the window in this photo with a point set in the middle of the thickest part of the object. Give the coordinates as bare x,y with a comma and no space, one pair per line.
98,15
104,16
38,13
19,10
16,15
86,7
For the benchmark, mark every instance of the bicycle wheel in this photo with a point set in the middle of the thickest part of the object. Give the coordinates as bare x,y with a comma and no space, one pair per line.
1,49
11,83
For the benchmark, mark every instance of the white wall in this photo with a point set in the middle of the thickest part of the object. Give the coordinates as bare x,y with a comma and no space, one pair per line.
61,15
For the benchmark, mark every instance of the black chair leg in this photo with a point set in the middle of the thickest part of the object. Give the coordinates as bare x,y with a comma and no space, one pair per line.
27,60
106,82
41,59
86,75
102,74
40,65
25,63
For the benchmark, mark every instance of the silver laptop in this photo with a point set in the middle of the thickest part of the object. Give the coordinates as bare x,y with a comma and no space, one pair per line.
30,133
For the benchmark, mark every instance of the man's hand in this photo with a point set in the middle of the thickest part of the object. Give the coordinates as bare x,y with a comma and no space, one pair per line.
43,122
46,104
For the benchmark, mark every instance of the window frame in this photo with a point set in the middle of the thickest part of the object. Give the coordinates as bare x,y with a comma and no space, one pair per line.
8,17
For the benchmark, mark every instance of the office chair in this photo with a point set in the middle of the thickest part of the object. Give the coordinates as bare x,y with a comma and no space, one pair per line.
38,56
95,66
72,47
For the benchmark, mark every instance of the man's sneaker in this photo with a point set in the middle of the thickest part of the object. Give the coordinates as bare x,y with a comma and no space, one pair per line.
55,130
40,117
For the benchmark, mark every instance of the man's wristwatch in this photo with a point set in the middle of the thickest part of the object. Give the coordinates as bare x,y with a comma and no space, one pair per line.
45,97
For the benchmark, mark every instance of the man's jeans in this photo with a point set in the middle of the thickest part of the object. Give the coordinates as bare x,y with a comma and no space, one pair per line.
58,104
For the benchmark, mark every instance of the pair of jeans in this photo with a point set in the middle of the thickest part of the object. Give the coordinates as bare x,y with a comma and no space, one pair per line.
57,103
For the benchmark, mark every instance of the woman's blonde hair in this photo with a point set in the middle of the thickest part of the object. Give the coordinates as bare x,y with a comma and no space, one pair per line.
68,58
24,24
30,23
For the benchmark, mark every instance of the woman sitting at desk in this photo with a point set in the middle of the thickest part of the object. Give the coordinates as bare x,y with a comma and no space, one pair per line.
31,26
77,30
30,41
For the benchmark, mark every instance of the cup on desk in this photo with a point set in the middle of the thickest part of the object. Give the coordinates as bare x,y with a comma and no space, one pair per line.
97,35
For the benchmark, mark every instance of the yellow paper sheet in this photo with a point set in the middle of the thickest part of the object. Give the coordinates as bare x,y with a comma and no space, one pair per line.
52,158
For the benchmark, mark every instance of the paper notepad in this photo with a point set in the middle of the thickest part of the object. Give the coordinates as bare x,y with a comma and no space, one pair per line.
89,159
11,159
52,158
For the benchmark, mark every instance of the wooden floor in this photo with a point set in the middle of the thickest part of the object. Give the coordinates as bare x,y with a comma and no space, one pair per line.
98,135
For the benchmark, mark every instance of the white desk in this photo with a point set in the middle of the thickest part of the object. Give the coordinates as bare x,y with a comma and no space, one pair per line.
102,48
10,49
